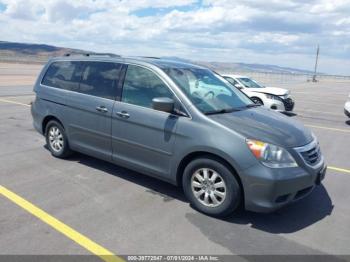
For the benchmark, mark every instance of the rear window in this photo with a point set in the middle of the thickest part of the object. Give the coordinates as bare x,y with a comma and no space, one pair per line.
63,75
91,78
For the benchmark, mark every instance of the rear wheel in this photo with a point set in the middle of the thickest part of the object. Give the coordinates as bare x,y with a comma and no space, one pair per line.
56,140
211,187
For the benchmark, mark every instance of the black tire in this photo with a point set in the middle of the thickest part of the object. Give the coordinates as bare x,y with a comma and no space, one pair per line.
257,100
64,150
232,199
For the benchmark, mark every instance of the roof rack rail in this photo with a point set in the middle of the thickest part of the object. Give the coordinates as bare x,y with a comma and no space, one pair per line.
151,57
94,54
102,54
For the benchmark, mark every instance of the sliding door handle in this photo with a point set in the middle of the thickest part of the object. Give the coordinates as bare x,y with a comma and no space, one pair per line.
102,109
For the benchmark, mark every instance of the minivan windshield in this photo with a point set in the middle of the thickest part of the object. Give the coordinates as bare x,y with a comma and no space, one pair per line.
250,83
208,92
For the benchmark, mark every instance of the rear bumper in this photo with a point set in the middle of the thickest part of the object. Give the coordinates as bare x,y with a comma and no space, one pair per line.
37,118
267,190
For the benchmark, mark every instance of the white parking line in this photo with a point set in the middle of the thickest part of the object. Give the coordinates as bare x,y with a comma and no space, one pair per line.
13,102
319,103
330,128
322,112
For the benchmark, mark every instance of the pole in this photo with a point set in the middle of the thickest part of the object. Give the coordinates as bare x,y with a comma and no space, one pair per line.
315,71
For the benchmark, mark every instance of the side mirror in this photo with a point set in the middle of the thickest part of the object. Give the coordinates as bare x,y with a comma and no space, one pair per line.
238,86
164,104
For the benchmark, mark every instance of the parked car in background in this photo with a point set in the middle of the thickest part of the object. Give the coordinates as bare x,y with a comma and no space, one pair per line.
180,123
278,99
347,108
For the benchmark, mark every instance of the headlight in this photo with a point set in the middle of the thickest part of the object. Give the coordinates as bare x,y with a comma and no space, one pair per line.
269,96
271,155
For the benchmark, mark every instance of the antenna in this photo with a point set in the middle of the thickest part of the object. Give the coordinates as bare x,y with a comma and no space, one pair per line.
316,62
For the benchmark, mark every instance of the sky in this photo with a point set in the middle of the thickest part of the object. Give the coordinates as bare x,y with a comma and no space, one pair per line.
278,32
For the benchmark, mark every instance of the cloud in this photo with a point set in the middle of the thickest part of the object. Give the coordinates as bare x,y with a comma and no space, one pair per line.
21,9
334,6
281,32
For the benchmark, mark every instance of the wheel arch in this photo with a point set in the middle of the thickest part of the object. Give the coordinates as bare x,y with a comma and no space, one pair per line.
204,154
259,98
47,119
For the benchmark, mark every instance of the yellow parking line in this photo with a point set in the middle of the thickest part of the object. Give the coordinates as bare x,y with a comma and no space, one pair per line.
69,232
330,128
339,169
13,102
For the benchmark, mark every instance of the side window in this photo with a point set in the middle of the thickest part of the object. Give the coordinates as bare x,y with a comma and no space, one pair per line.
100,79
63,75
231,80
142,85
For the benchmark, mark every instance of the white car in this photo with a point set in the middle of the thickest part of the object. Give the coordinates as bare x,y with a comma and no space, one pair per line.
272,97
347,108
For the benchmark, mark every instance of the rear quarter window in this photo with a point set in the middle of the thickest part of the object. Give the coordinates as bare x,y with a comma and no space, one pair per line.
64,75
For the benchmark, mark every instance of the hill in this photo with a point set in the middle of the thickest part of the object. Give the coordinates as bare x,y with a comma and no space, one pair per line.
243,67
40,53
32,53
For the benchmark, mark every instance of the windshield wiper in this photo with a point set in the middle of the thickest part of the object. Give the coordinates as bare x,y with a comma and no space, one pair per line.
222,111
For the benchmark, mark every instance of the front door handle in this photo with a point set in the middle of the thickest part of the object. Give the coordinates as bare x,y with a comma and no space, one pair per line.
102,109
123,114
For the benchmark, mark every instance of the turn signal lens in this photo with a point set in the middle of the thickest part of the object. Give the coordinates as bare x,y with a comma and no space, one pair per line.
257,147
271,155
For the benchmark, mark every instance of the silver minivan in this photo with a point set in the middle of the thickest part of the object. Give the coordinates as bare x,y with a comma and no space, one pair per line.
146,114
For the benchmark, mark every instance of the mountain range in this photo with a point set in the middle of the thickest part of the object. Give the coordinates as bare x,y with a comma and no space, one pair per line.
40,53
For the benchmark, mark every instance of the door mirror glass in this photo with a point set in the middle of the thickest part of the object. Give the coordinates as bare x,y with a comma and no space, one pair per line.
164,104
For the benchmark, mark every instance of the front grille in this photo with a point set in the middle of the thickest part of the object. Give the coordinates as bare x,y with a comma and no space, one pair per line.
312,156
288,104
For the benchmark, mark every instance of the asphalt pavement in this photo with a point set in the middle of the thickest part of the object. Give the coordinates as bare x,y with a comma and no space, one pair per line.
128,213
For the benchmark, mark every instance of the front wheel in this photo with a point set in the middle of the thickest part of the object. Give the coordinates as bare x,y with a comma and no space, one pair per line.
211,187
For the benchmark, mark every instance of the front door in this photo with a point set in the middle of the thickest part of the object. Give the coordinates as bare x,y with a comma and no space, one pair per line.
143,138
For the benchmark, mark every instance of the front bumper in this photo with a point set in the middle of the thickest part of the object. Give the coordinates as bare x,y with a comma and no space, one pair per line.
288,104
282,105
267,189
347,109
347,113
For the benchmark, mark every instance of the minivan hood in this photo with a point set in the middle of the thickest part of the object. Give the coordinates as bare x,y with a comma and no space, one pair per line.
271,90
266,125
